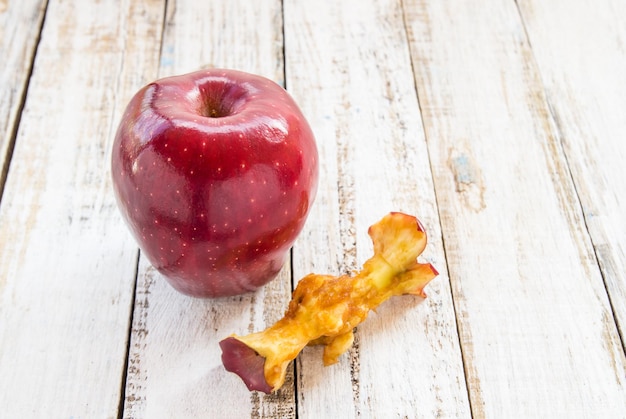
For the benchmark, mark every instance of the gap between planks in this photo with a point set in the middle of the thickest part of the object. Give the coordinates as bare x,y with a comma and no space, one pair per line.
15,123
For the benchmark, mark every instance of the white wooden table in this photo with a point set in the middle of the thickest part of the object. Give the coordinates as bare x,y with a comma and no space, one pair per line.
500,124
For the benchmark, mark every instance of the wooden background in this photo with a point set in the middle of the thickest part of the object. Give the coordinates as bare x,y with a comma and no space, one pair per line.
500,124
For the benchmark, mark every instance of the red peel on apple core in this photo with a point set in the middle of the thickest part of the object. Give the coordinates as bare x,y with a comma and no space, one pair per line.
214,172
325,309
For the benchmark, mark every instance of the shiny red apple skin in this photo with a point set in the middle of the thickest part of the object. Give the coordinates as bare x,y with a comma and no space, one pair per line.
215,172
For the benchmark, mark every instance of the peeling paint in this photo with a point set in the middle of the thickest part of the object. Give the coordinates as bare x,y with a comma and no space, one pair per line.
467,179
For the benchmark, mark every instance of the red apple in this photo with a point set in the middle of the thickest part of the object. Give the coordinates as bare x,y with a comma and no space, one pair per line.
215,173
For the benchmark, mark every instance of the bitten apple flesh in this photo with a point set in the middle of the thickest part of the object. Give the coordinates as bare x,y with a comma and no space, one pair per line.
324,309
215,172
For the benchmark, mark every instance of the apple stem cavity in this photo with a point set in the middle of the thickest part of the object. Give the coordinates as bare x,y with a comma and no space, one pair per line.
324,310
221,98
216,108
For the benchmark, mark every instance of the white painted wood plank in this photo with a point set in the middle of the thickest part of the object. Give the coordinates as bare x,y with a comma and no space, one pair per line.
235,34
537,331
584,73
175,367
67,263
20,23
348,65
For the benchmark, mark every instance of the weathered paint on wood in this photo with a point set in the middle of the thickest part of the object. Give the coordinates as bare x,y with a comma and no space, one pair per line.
499,124
584,74
66,261
20,23
348,64
536,327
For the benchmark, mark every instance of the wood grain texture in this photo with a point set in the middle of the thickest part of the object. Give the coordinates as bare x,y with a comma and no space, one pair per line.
20,25
348,65
232,34
537,332
67,263
175,367
584,73
498,124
